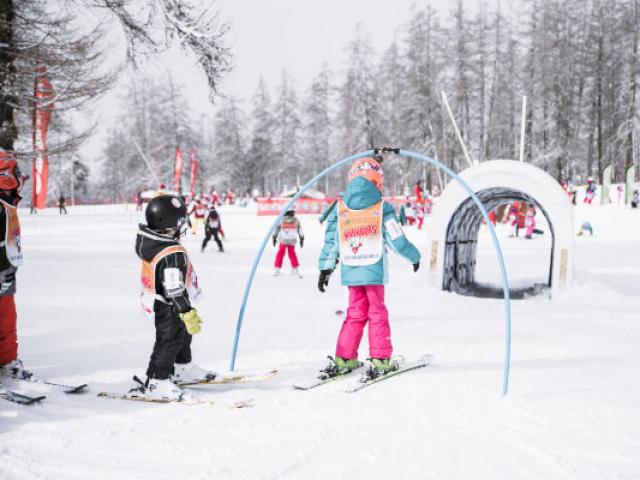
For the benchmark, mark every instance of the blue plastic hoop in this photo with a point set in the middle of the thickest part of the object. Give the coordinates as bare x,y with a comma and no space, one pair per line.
416,156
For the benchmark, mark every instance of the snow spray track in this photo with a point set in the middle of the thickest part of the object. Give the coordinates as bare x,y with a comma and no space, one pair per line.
415,156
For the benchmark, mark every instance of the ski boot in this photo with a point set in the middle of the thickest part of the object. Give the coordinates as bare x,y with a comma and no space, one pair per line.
15,369
339,366
221,249
162,390
296,273
377,367
276,272
191,373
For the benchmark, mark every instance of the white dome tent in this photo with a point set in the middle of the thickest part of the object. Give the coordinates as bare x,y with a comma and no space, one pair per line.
454,226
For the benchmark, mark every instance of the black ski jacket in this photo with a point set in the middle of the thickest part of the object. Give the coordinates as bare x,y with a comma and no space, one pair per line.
148,245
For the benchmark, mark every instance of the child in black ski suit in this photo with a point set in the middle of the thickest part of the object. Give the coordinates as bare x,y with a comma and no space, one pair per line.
213,228
169,286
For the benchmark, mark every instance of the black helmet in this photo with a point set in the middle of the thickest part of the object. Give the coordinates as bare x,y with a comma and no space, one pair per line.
165,212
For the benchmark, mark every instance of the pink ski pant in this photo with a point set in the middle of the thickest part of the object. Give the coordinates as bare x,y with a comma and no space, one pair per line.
291,250
366,303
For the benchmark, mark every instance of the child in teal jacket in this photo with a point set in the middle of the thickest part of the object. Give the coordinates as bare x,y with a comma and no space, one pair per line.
359,231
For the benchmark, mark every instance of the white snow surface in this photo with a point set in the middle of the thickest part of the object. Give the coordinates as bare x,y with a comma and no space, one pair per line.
572,411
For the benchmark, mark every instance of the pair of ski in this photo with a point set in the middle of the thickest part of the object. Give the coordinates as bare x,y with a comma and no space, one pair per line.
23,399
403,367
138,395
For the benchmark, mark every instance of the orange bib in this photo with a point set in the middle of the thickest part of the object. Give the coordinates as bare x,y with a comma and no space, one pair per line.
360,233
149,295
12,242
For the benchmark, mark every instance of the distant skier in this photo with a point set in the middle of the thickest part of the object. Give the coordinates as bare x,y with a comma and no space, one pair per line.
62,204
635,201
417,191
590,192
215,199
358,233
287,234
213,228
586,227
11,182
197,212
402,216
516,217
530,222
410,213
420,215
620,190
169,288
139,201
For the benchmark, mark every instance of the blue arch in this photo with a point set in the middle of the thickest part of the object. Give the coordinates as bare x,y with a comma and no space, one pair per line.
416,156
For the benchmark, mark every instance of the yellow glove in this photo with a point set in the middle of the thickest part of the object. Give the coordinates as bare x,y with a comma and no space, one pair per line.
192,321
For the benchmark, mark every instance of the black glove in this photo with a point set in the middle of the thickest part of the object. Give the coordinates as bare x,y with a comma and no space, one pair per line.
274,241
416,266
302,242
323,280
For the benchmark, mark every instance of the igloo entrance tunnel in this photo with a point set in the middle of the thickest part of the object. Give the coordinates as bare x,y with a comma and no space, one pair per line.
456,222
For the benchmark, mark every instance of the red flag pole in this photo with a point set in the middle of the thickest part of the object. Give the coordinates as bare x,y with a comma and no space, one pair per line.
194,171
44,96
177,170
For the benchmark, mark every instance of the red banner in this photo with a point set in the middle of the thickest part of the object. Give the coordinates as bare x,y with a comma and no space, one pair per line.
44,104
194,171
272,206
177,170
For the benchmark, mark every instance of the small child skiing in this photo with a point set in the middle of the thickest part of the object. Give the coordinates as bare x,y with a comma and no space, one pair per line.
635,201
590,192
358,233
287,234
11,182
410,213
169,287
213,228
530,222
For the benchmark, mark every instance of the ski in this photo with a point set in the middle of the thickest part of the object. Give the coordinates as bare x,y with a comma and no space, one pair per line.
138,397
233,379
405,367
318,382
20,398
69,389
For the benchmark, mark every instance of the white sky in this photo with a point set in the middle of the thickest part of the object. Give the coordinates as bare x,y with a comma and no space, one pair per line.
299,35
268,36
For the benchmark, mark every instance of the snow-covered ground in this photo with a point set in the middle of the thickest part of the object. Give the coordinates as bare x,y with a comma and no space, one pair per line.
572,412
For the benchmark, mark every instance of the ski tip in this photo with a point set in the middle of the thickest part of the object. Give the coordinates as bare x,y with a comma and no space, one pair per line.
76,389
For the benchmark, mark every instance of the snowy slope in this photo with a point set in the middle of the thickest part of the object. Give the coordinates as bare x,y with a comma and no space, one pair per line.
572,412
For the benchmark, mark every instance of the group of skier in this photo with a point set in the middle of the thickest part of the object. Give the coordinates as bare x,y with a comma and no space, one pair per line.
202,212
359,231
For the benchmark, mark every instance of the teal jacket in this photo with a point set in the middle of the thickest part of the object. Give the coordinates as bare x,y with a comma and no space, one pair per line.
361,194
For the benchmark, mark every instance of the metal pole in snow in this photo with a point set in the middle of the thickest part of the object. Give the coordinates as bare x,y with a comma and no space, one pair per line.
146,161
523,126
455,127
